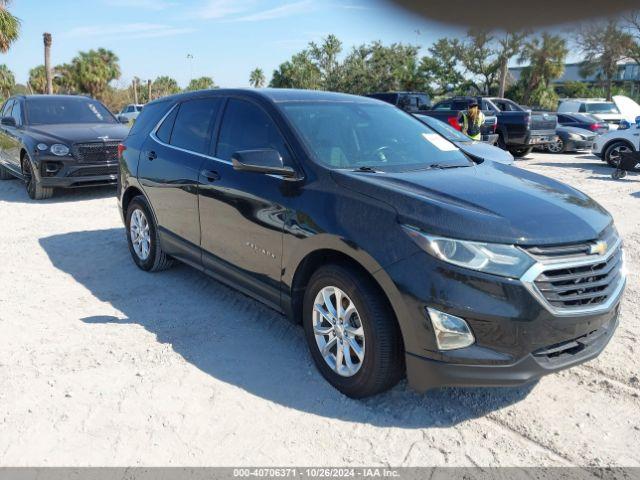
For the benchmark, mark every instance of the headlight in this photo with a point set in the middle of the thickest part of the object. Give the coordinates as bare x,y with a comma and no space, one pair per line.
576,136
42,147
498,259
59,149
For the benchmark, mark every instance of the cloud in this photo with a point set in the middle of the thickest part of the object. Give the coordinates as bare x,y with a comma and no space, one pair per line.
127,30
217,9
286,10
142,4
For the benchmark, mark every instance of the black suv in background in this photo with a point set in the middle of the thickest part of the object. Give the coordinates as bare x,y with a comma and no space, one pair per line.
412,102
395,250
519,130
54,141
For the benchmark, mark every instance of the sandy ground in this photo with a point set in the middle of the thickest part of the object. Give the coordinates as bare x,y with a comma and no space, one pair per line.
102,364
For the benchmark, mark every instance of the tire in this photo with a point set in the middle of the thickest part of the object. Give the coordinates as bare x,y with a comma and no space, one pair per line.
33,184
5,174
381,365
520,152
611,154
150,258
501,143
556,147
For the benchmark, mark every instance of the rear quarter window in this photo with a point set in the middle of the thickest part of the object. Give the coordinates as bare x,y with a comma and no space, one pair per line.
149,117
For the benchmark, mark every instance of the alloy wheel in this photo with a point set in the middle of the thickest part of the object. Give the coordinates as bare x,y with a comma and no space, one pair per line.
556,147
338,331
616,154
140,234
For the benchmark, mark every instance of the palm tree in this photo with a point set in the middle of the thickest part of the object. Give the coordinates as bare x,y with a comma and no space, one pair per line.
546,56
95,69
163,86
202,83
46,37
257,78
7,81
38,79
9,27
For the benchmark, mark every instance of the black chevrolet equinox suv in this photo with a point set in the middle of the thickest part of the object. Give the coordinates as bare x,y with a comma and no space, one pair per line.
398,253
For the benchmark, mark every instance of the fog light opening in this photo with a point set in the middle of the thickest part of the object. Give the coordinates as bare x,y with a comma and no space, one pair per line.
451,332
51,168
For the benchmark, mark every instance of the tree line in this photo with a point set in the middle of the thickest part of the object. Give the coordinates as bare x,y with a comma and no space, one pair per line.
478,63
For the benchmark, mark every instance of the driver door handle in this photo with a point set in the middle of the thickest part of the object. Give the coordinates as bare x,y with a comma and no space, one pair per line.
210,175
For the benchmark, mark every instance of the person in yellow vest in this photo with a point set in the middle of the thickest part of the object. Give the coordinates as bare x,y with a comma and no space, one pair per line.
472,121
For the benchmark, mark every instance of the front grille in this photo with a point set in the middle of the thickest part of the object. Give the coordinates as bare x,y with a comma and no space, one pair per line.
96,152
95,171
579,276
587,285
614,121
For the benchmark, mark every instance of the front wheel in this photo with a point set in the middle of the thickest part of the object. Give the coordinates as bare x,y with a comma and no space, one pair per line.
35,190
352,333
521,152
557,146
142,237
614,152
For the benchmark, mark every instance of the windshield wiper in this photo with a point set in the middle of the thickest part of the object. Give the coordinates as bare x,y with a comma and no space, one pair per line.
366,169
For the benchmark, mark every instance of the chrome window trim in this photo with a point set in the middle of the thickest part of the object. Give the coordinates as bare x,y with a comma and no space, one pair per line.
529,278
157,140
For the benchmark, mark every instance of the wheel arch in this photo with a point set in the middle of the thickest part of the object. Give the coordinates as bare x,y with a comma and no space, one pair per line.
378,277
608,145
129,194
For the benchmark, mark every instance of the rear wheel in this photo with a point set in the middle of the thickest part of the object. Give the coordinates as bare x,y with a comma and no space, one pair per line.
35,190
142,237
614,152
501,143
521,152
557,146
352,333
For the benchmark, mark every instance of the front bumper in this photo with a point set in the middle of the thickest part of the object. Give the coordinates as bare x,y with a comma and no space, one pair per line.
70,173
491,139
517,337
578,145
425,373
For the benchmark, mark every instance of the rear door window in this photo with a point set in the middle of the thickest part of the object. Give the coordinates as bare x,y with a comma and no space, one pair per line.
193,124
164,132
443,106
245,126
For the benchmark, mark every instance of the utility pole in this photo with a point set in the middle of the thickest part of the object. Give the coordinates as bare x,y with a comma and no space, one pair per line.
149,89
190,60
135,90
47,61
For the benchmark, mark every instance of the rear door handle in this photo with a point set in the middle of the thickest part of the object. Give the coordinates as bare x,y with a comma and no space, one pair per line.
151,155
210,175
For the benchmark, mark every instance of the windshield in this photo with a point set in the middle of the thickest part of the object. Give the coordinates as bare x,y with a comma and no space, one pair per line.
607,107
47,110
355,135
444,129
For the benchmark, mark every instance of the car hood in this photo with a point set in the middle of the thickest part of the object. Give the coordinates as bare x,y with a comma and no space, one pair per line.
491,202
81,133
629,109
485,152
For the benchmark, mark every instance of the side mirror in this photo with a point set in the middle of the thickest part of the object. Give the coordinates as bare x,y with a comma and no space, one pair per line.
638,121
8,121
266,161
122,119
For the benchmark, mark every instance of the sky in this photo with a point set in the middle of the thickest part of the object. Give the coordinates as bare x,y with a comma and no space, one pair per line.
225,38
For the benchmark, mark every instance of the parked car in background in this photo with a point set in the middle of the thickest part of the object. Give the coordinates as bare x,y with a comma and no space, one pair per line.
395,250
463,142
610,146
412,102
571,139
518,130
599,108
583,120
54,141
131,111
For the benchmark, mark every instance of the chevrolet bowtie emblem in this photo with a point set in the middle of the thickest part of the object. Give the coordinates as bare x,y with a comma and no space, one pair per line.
106,137
598,248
